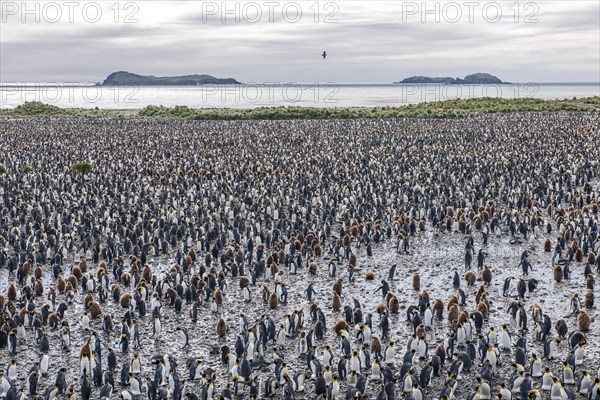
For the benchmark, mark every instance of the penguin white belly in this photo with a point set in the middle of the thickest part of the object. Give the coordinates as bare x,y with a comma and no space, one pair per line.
547,382
584,385
536,369
135,387
556,392
568,378
505,341
389,356
355,364
44,364
417,394
484,392
517,385
408,384
579,355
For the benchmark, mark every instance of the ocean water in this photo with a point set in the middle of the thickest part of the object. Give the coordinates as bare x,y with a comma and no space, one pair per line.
266,95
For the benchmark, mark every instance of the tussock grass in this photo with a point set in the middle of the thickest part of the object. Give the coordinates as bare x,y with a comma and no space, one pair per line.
458,108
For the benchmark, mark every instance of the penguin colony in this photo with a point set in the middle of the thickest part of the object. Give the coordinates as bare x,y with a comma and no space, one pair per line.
450,259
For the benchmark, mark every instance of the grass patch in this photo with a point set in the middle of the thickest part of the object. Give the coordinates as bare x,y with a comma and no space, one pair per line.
444,109
82,167
457,108
36,109
595,100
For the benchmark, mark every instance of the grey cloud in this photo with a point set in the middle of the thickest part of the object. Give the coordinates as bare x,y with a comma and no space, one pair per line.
364,47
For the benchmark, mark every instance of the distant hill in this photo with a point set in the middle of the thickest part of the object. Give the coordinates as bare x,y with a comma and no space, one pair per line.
127,78
480,78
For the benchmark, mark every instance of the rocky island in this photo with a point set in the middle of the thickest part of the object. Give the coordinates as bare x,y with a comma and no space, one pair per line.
480,78
128,78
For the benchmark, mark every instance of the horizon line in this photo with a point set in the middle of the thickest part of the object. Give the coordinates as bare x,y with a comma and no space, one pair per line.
83,83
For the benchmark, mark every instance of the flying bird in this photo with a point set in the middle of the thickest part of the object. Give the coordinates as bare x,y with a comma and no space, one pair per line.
324,55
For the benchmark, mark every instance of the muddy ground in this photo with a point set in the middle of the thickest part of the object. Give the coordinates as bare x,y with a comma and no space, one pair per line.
434,257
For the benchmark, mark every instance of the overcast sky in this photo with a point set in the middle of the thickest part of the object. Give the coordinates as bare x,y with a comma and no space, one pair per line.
366,42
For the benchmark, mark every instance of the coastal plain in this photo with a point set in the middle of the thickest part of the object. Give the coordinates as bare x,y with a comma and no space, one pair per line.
225,214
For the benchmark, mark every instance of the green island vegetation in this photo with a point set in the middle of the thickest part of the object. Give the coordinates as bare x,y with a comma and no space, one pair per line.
458,108
128,78
480,78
